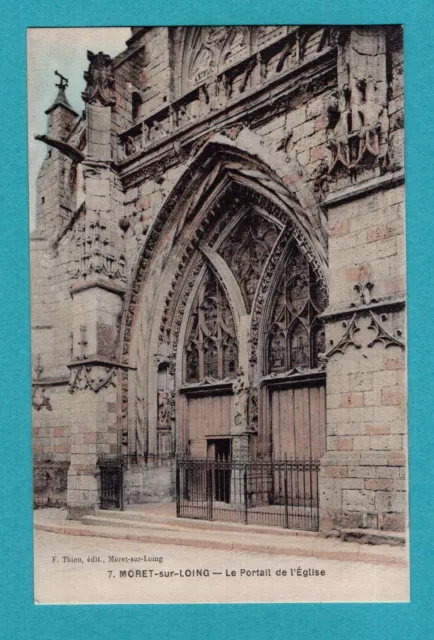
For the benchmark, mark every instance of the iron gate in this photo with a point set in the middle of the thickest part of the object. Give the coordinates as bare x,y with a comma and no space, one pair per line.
265,492
112,481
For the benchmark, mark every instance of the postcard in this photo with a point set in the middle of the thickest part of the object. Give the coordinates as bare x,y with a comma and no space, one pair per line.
218,292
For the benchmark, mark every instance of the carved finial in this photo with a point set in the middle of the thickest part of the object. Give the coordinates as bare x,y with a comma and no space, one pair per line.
61,98
63,83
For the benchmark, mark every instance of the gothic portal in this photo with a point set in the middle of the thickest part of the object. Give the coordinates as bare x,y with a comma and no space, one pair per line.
218,268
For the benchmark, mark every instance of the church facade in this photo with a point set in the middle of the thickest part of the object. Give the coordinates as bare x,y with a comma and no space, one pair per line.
218,267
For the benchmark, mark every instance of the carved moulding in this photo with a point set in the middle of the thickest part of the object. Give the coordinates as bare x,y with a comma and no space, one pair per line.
293,374
123,408
252,180
179,197
173,148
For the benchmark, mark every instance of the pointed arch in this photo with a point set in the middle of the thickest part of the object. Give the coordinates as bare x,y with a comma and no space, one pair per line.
286,329
220,180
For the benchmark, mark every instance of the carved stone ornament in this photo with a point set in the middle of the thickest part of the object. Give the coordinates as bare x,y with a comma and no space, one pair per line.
295,335
382,335
208,381
123,408
100,80
363,287
91,377
163,360
240,405
166,408
39,399
351,328
211,347
357,112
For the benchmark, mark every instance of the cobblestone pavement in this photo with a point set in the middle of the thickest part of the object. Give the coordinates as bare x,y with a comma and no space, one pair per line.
71,569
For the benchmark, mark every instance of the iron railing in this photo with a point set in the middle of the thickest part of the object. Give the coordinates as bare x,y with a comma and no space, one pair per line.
263,492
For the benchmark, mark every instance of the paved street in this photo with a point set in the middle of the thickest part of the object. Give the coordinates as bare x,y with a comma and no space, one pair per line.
77,569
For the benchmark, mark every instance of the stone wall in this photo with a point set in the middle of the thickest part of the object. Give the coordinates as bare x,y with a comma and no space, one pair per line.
363,482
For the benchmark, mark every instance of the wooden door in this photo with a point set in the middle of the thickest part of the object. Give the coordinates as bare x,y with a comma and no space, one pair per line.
207,415
298,422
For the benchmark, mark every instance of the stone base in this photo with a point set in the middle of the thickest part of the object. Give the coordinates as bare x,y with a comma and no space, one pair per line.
334,522
373,536
79,512
83,490
49,484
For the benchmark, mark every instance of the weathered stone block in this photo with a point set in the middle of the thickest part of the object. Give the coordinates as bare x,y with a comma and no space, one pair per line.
354,500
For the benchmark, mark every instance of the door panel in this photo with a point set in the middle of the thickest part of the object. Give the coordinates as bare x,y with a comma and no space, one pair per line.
207,416
298,422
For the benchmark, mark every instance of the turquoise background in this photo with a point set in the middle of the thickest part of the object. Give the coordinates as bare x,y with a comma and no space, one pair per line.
20,618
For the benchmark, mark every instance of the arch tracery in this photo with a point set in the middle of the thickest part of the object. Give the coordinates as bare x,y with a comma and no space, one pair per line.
294,332
211,346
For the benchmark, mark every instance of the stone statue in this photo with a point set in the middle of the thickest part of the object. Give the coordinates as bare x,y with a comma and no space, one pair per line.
241,390
163,413
100,80
166,407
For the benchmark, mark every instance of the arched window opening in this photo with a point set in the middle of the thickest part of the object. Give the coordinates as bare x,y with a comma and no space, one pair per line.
211,349
136,105
296,334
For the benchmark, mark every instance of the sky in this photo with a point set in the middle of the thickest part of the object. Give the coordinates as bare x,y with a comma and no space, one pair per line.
64,50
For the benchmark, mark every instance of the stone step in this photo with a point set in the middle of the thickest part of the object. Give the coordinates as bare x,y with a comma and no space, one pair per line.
136,515
186,533
158,533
